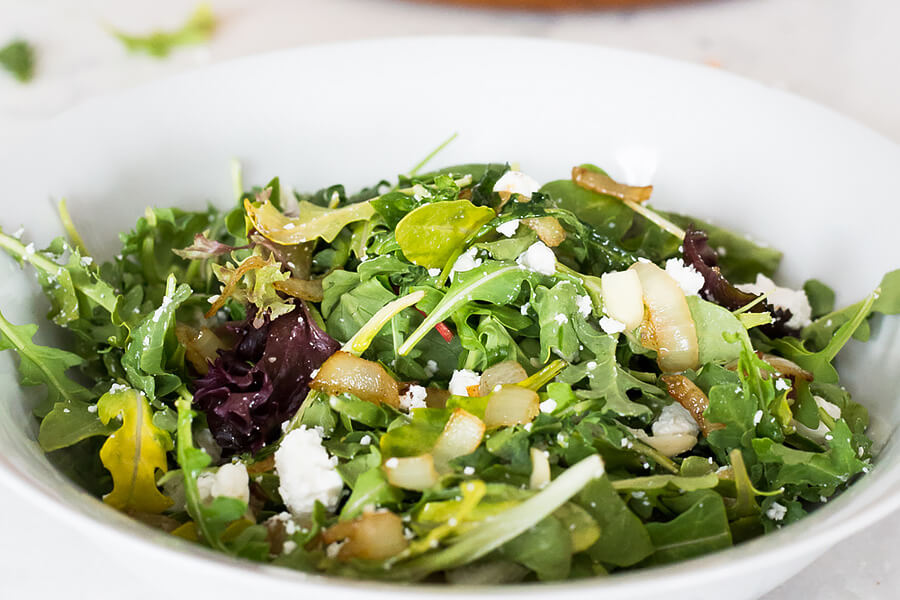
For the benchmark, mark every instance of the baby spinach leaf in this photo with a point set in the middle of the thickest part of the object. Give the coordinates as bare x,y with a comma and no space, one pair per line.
432,233
719,333
44,365
605,213
624,541
133,453
198,29
701,528
545,548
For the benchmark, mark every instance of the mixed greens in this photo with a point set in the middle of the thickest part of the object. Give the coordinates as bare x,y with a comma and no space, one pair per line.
463,377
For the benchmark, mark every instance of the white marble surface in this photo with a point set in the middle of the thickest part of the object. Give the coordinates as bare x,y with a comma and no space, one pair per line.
840,53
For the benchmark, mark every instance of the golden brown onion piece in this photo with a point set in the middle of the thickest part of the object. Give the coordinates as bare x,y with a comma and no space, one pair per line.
371,536
367,380
688,395
511,405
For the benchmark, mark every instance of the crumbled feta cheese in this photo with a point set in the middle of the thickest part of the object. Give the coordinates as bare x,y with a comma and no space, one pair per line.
561,319
230,480
392,463
93,408
333,549
584,304
466,261
469,471
413,398
19,233
548,405
675,419
611,325
434,272
517,182
820,433
461,380
757,417
538,258
509,228
591,365
686,276
117,387
431,367
288,547
782,297
86,260
307,472
776,511
782,385
524,308
365,440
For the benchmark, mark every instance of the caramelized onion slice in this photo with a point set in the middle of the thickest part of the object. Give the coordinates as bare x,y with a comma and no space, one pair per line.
511,405
373,535
461,435
367,380
305,289
508,371
540,469
412,472
782,366
692,398
668,327
672,444
548,230
604,184
201,346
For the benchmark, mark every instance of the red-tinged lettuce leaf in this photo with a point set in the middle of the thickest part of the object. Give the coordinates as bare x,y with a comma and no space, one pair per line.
246,403
716,288
203,247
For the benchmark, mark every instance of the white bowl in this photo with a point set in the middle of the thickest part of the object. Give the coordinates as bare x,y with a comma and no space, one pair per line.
789,172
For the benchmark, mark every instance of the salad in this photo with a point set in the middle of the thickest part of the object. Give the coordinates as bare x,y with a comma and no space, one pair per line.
465,376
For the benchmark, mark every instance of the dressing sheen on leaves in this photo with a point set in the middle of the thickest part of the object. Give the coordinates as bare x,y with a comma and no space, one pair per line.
429,235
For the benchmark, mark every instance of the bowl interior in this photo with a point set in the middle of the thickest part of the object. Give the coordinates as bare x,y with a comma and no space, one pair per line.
786,171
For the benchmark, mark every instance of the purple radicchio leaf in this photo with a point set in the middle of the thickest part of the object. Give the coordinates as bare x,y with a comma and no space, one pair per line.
699,254
245,404
203,247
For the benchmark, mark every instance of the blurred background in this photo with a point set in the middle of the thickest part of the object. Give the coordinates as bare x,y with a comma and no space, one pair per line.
844,54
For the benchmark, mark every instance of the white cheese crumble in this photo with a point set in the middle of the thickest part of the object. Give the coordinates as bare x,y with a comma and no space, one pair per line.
561,319
686,276
776,511
461,380
538,258
365,440
86,261
584,304
230,480
782,385
509,228
675,419
524,308
820,433
434,272
118,387
431,367
548,405
466,262
782,297
307,473
469,471
333,549
610,325
757,417
413,398
288,547
517,182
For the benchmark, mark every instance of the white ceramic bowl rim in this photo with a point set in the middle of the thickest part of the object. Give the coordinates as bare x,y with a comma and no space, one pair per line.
883,499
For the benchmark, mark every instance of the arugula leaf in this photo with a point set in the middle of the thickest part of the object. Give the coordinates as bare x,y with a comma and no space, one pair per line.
605,213
494,282
69,423
820,296
44,365
213,518
557,309
134,453
151,349
545,548
17,57
197,30
431,234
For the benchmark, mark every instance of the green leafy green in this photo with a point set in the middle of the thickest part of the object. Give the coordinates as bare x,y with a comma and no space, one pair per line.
197,30
432,233
17,57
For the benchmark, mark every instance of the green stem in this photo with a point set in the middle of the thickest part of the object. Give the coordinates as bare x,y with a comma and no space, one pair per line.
412,172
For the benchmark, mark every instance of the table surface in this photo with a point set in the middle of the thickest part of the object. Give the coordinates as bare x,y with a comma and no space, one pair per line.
838,53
